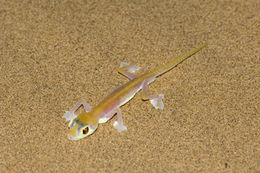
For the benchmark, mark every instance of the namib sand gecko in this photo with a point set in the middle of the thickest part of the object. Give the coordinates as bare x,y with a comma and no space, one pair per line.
87,122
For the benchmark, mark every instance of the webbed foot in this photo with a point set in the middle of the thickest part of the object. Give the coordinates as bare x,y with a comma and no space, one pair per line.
69,115
119,127
157,102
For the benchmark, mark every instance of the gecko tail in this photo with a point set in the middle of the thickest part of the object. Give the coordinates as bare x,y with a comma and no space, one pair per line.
175,62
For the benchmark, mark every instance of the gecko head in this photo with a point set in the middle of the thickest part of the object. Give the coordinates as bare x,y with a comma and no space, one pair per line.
81,127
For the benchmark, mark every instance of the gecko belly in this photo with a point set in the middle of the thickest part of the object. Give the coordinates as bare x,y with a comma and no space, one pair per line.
129,96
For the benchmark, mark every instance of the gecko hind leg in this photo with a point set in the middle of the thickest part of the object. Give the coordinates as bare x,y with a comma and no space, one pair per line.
128,70
155,100
69,115
119,125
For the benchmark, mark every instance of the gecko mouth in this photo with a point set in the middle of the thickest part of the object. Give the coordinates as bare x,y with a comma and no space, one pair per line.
72,138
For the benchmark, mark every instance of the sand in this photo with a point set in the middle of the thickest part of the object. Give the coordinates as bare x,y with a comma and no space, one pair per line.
54,53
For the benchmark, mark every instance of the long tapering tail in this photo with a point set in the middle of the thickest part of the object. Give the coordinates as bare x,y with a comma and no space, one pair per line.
175,61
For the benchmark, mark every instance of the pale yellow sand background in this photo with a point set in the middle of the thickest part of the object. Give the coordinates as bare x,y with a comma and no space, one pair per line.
54,53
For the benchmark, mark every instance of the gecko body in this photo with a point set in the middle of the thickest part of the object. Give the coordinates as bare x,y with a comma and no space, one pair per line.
87,122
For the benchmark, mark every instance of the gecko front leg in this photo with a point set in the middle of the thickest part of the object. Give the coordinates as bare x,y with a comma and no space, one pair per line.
69,115
119,125
155,100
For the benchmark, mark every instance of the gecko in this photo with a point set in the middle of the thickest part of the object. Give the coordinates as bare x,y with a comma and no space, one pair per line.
87,122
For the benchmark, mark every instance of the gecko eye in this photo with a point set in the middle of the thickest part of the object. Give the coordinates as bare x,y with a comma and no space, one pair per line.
85,131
